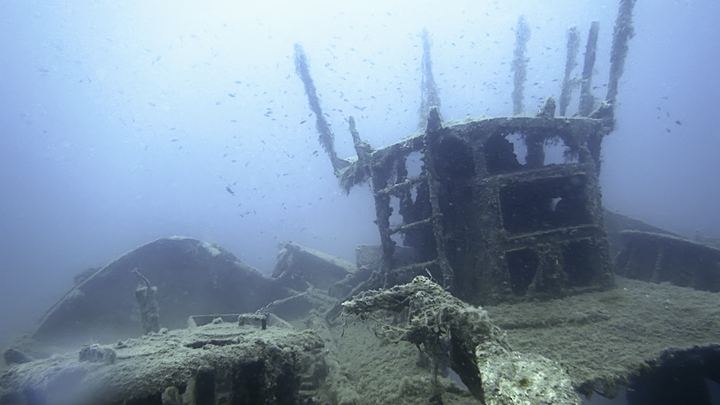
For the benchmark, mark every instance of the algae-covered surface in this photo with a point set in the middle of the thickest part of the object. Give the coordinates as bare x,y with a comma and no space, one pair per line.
138,371
366,369
599,339
603,338
448,334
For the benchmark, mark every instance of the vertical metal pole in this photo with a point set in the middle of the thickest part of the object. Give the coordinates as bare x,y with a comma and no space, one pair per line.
573,45
621,35
587,100
519,66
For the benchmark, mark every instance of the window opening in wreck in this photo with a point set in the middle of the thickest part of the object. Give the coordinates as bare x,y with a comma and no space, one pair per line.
544,205
413,194
522,266
554,203
398,238
501,153
414,164
454,160
396,176
557,152
519,146
395,218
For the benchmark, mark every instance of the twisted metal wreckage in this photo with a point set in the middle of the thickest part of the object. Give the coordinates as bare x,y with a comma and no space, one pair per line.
490,226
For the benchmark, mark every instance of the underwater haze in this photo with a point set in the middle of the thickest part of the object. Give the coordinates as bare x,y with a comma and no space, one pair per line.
124,122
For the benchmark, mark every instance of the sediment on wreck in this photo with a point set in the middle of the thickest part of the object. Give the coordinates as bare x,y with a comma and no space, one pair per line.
461,337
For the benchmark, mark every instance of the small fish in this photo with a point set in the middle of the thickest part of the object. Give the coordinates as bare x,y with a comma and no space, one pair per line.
303,121
231,95
678,122
229,190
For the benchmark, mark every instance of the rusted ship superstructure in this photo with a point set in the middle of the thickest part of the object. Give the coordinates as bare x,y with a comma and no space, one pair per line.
490,223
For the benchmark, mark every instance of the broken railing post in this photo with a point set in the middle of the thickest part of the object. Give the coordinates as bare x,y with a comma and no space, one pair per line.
621,35
573,45
359,171
327,138
587,100
149,308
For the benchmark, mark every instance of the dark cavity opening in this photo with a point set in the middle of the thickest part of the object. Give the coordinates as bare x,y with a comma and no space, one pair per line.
545,204
522,265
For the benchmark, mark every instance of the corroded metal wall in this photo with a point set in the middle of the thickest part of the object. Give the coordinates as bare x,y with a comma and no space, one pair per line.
490,222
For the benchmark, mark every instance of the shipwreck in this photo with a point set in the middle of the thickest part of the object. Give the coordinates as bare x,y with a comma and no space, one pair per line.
500,279
492,224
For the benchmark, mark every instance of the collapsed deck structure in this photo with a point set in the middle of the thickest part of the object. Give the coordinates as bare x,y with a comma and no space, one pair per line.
489,223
